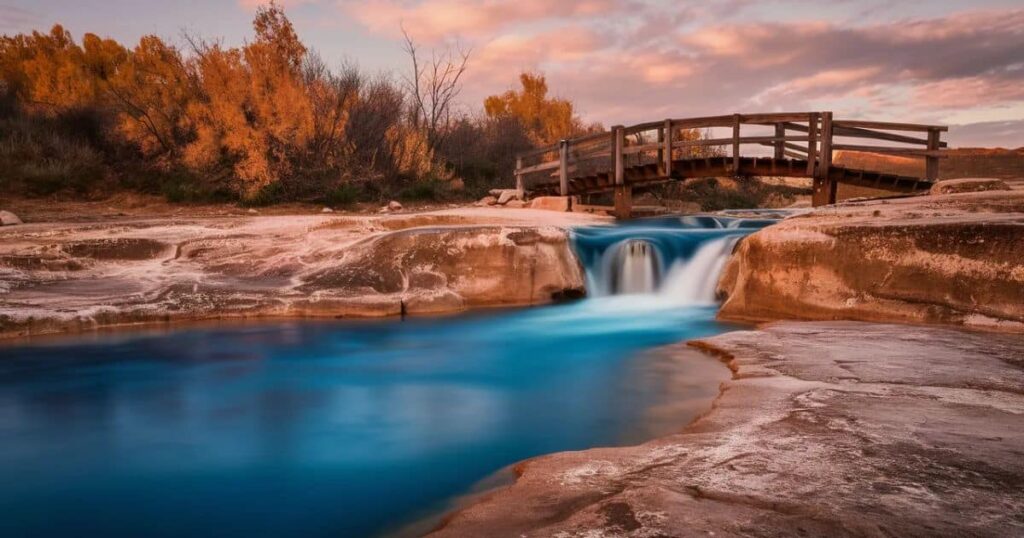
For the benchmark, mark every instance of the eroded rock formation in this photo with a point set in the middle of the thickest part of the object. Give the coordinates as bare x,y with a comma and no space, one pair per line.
826,429
59,277
953,259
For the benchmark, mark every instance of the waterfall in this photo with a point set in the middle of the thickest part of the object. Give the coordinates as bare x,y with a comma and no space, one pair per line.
635,267
676,260
694,281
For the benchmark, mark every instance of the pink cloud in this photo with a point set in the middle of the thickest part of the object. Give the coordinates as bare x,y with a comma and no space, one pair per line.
435,19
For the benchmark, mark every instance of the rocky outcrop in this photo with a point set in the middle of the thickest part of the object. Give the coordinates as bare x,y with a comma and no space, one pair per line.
826,429
61,277
952,259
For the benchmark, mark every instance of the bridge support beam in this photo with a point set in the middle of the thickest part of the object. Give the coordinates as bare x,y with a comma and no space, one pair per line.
623,201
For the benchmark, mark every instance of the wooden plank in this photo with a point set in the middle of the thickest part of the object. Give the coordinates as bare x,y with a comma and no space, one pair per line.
736,143
551,165
812,144
780,134
857,132
538,151
890,126
670,135
909,152
931,163
779,117
706,121
563,168
788,145
652,146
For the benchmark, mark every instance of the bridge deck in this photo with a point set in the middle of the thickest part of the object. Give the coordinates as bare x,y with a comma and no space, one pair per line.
674,149
652,173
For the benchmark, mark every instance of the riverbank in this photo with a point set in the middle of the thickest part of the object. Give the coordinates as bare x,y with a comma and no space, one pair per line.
826,429
949,259
73,276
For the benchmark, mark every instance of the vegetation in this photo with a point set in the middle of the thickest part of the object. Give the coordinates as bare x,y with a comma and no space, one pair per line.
262,123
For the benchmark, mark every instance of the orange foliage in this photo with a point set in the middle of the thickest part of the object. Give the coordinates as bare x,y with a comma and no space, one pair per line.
546,120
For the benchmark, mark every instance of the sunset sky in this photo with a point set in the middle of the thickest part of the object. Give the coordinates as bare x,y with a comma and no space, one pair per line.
939,61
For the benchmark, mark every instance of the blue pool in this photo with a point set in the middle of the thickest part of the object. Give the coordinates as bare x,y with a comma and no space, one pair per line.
339,428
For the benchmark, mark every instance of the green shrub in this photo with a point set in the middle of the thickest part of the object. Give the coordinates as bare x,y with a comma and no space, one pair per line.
344,195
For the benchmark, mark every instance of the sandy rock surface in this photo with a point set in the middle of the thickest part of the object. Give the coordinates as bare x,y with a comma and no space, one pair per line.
60,277
826,429
972,184
950,259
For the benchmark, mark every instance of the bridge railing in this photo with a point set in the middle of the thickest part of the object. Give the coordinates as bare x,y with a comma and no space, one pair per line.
803,136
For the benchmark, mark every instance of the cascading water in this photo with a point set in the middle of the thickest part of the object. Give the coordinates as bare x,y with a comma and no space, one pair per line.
674,259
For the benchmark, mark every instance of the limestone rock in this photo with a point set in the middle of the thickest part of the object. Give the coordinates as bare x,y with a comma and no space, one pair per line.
972,184
515,204
508,195
552,203
9,219
487,200
252,211
826,429
393,205
952,259
72,278
327,210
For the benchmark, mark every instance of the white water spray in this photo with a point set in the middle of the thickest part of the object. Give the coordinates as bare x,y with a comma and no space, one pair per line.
694,281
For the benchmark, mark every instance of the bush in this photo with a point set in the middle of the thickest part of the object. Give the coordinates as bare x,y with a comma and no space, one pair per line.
343,195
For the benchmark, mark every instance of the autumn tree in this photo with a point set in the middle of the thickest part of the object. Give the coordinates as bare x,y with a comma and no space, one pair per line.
546,119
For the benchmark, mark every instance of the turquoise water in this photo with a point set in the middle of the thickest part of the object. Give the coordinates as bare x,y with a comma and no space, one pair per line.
330,428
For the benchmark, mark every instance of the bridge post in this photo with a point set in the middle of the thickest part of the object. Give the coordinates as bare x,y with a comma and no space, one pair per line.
618,166
667,150
520,189
736,144
623,201
931,166
825,188
780,147
563,167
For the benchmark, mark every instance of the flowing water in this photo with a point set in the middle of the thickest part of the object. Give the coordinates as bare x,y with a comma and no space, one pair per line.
350,429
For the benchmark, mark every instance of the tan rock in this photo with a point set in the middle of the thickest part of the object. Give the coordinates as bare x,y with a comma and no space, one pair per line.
73,278
933,259
508,195
9,219
394,205
515,204
552,203
973,184
487,200
826,429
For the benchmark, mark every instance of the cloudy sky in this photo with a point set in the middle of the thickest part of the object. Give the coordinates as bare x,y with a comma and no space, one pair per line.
622,61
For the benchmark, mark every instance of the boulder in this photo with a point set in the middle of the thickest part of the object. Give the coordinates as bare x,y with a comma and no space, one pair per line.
393,205
327,210
515,204
552,203
508,195
969,184
9,219
487,200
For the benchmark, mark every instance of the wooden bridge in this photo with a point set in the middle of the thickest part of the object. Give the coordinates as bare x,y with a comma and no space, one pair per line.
802,145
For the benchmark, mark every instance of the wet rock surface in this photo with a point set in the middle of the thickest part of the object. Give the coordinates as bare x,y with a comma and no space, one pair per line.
60,277
826,429
948,259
